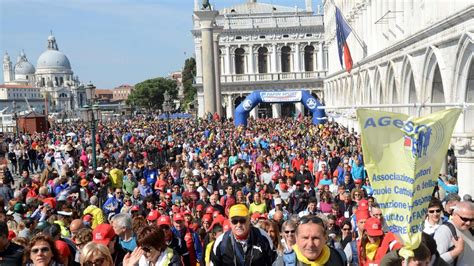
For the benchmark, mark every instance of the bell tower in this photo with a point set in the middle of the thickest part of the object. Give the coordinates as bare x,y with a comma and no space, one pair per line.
8,75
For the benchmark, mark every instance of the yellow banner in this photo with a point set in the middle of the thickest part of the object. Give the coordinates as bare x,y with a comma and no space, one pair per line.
403,157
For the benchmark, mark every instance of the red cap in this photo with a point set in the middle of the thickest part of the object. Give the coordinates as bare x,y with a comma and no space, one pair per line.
363,204
284,186
298,182
207,218
153,215
215,214
255,216
373,226
164,220
178,217
102,234
162,205
226,226
262,216
275,177
200,207
175,209
306,181
209,210
135,208
62,248
187,212
358,181
87,218
362,215
11,235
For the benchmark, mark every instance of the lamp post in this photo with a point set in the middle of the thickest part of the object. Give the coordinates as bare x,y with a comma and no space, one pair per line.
167,110
15,117
90,108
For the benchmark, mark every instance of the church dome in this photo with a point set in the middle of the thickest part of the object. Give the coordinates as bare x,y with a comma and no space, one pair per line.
53,59
24,68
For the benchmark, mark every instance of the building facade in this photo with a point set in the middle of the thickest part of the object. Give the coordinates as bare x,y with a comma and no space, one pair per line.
53,76
261,46
122,92
410,52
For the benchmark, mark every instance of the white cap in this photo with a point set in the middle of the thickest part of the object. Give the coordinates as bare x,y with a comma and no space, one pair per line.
277,201
196,172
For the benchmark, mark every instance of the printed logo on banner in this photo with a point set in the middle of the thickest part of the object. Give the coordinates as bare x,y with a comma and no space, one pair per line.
247,105
311,103
418,143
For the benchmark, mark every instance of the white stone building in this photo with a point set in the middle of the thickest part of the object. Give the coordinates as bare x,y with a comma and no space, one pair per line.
53,77
261,46
416,52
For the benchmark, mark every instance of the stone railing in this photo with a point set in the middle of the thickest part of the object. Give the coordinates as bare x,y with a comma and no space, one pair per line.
269,76
268,22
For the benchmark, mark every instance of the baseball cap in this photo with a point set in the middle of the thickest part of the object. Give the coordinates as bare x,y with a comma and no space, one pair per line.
199,207
187,212
207,218
103,234
238,210
164,220
306,181
373,226
362,214
358,181
363,204
135,208
178,217
162,205
153,215
298,183
209,210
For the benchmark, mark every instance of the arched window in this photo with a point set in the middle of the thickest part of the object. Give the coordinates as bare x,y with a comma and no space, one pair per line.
239,61
309,58
262,60
285,59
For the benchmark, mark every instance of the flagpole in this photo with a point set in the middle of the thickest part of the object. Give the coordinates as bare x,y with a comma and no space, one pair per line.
359,40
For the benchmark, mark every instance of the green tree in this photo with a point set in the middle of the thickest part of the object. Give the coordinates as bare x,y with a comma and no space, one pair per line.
189,72
149,93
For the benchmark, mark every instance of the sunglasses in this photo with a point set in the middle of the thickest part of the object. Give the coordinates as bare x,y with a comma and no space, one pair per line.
312,219
466,220
238,221
40,250
433,211
97,262
289,232
146,249
346,229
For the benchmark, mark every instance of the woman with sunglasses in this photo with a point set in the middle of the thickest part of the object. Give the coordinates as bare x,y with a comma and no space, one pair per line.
94,254
433,217
288,230
152,250
42,252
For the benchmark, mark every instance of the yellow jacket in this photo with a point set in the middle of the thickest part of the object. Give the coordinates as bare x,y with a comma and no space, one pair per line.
97,215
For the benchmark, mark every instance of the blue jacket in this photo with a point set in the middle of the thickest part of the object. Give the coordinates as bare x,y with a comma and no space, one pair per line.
110,204
151,176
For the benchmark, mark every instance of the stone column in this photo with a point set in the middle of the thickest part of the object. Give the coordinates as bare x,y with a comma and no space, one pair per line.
274,58
200,102
251,58
320,57
296,54
230,106
276,110
464,151
206,19
217,70
227,60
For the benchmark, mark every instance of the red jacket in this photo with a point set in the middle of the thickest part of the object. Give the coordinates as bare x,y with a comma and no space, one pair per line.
389,242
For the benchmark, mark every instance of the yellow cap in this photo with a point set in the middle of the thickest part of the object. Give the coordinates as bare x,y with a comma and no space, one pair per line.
238,210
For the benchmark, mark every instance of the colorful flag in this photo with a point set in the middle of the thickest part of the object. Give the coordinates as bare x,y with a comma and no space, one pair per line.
342,33
403,157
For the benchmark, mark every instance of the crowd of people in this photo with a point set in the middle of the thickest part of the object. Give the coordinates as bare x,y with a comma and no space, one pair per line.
203,192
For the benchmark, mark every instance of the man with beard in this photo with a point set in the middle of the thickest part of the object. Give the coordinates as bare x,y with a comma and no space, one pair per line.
243,244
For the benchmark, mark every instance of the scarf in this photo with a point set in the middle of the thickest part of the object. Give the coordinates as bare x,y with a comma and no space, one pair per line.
371,249
321,260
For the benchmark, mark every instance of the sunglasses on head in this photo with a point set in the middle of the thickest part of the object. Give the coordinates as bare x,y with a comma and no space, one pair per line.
433,211
235,221
42,250
312,219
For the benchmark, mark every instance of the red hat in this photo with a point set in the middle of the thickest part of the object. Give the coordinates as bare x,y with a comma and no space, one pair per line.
373,226
362,215
275,177
187,212
298,182
199,207
135,208
284,186
363,204
175,209
87,218
358,181
178,217
102,234
153,215
262,216
306,181
226,226
162,205
164,220
209,210
207,218
255,216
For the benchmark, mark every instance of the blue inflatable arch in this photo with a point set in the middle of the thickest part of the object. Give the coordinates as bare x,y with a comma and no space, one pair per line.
242,111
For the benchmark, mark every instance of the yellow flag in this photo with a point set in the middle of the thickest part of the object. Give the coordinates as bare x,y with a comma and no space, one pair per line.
403,157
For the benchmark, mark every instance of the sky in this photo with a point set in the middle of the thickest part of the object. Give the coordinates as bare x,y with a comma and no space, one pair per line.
108,42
